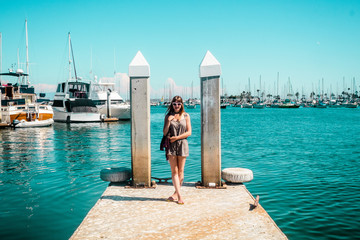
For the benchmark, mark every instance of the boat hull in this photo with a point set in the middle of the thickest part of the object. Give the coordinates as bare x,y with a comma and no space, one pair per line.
246,105
350,105
191,106
289,106
119,111
26,113
335,106
75,117
36,123
259,106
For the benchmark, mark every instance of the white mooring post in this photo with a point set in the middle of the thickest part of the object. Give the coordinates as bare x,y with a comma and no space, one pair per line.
210,71
139,73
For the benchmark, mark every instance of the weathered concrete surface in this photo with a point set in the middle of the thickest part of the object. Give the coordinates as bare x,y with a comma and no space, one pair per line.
210,71
210,131
123,213
139,72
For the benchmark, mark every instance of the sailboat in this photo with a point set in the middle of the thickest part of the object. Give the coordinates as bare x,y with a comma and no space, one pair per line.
19,106
190,104
72,103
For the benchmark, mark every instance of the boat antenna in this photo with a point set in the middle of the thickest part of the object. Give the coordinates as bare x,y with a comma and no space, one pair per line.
72,54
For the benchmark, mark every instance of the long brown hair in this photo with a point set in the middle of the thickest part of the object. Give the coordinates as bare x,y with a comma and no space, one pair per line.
171,110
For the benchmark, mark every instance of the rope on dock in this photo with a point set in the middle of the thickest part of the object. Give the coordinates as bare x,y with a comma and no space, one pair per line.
162,179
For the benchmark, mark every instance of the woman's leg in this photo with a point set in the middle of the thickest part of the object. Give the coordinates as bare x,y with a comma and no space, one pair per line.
181,166
175,176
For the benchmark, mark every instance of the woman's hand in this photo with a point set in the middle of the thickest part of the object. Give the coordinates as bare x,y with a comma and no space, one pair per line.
171,117
173,139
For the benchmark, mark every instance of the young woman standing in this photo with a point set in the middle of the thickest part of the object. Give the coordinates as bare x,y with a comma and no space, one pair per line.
177,124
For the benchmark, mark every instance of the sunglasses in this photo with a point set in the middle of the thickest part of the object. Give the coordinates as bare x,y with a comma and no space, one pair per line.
176,104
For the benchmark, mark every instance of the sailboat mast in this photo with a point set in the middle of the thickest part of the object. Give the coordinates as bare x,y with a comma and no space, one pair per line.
322,91
222,87
91,70
27,53
277,85
260,88
73,59
169,92
0,55
192,89
114,61
69,58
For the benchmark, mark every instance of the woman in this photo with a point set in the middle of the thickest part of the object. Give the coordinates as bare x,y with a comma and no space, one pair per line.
177,124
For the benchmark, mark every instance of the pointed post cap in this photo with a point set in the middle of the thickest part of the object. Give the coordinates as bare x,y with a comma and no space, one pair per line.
139,67
209,66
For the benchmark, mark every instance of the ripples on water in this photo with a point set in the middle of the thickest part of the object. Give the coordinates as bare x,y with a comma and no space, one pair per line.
305,164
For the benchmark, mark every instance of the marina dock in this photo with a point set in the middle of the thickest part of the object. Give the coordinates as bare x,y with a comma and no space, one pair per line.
133,213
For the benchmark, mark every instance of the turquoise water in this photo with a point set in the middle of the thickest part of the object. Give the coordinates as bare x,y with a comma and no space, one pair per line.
305,163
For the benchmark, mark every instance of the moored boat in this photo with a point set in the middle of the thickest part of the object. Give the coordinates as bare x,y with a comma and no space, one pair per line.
72,102
35,123
350,105
237,104
104,93
190,105
18,100
288,104
246,105
319,104
335,104
258,105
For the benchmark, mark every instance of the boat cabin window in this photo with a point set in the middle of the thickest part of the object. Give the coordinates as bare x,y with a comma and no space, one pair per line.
78,90
60,87
78,87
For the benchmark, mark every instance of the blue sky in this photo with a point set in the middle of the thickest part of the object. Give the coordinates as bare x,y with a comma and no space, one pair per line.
305,41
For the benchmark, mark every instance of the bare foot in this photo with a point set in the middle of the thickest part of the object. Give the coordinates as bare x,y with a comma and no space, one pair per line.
171,199
174,196
181,202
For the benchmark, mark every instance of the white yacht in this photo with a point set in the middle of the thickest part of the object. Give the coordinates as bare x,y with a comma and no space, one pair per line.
103,93
72,102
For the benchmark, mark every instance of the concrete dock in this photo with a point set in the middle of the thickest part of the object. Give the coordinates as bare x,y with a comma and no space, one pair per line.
130,213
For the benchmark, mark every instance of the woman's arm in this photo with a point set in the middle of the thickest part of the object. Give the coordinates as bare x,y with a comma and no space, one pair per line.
185,134
167,121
